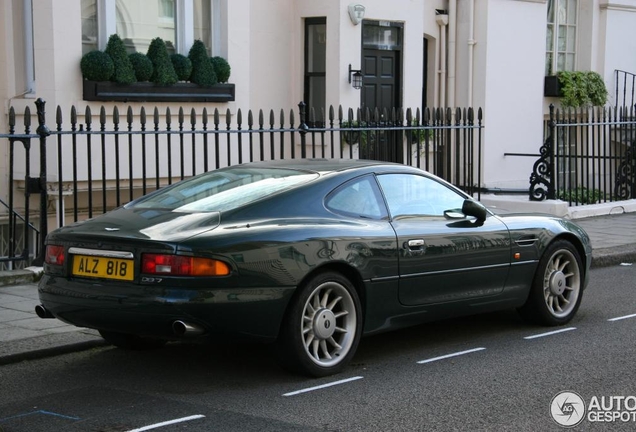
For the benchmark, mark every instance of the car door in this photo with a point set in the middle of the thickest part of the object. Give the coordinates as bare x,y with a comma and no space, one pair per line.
443,255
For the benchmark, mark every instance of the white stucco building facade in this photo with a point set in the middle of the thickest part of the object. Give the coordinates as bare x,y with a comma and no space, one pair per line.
488,54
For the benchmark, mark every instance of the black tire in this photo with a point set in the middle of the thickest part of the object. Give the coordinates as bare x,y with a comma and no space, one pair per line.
131,342
557,288
322,327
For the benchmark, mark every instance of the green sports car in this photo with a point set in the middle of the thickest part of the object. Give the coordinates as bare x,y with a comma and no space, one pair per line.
310,255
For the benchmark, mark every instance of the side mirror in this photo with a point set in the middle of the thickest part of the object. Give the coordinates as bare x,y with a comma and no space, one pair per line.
475,209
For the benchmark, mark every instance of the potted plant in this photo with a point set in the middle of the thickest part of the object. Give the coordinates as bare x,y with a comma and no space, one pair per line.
577,88
154,77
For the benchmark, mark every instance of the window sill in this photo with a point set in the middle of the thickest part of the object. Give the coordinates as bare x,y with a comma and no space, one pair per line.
107,91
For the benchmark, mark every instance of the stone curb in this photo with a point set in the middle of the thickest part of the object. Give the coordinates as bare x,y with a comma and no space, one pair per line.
19,277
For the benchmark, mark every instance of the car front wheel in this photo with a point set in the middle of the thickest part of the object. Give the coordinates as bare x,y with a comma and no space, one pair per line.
556,291
322,328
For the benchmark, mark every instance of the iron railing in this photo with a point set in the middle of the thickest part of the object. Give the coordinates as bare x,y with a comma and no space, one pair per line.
587,157
624,88
98,162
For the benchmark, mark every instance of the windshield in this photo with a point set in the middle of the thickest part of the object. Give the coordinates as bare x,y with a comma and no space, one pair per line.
223,190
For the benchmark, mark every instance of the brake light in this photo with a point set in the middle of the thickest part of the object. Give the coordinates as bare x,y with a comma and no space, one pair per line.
54,255
176,265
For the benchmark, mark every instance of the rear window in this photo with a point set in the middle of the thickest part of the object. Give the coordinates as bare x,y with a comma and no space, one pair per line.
223,190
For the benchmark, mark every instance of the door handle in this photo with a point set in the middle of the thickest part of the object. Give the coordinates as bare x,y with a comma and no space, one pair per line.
415,247
415,243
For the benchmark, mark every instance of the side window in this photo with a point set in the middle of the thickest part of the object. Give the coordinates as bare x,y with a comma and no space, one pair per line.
415,195
357,198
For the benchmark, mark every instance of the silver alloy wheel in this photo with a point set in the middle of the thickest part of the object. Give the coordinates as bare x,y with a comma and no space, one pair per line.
561,283
328,324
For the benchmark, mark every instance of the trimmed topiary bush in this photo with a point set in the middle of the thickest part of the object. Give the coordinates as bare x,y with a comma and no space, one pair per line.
182,66
163,72
97,66
221,68
202,69
124,72
141,65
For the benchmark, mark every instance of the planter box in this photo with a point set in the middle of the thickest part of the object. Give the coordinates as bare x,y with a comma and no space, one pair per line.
107,91
552,86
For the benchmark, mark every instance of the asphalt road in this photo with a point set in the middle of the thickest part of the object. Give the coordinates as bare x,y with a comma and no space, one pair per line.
407,380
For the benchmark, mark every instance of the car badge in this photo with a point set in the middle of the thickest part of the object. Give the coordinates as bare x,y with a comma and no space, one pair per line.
111,229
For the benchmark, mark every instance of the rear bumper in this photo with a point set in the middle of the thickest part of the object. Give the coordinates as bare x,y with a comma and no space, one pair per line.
251,313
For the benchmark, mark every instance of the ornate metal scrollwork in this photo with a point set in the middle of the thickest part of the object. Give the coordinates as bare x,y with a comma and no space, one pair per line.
625,186
541,187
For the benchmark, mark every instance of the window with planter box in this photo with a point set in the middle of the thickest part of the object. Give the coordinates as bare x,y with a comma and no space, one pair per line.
178,23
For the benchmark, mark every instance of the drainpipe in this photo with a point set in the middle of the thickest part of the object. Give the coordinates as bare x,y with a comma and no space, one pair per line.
452,49
471,49
442,21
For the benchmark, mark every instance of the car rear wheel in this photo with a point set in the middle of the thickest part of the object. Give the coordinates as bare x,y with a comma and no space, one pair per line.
131,342
322,327
556,291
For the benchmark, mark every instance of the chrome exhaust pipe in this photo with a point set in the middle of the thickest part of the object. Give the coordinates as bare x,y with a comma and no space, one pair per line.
43,312
182,328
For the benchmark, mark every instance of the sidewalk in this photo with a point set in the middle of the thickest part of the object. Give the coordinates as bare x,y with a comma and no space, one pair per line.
23,335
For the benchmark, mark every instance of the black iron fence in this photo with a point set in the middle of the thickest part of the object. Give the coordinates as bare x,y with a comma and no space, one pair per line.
90,163
587,157
624,88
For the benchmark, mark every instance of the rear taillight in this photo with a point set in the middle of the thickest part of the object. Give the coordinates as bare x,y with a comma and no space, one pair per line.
54,255
175,265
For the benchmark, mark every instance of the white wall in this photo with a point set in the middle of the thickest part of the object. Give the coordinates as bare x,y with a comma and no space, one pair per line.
509,70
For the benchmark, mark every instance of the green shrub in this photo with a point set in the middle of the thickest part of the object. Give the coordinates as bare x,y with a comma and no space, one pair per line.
97,66
202,69
182,66
142,66
221,68
581,195
582,89
163,72
124,72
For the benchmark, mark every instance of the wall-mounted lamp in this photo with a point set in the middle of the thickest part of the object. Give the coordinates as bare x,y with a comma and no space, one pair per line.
356,13
355,78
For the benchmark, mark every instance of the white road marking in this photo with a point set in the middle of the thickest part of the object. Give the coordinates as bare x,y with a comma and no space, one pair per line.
323,386
166,423
550,333
450,355
622,317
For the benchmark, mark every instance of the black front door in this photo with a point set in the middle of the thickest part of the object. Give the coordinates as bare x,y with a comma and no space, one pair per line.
381,87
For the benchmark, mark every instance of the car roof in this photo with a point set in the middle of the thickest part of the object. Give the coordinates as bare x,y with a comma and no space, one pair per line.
320,165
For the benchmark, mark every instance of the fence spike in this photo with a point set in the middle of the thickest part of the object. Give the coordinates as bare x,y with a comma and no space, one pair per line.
11,120
73,117
102,118
228,118
261,118
340,113
193,118
180,118
409,116
88,118
58,116
291,118
250,119
27,120
116,116
205,118
217,119
239,118
142,117
168,118
350,115
155,116
331,113
129,117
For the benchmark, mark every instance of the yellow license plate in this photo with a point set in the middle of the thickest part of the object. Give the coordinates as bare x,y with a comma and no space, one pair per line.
102,267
